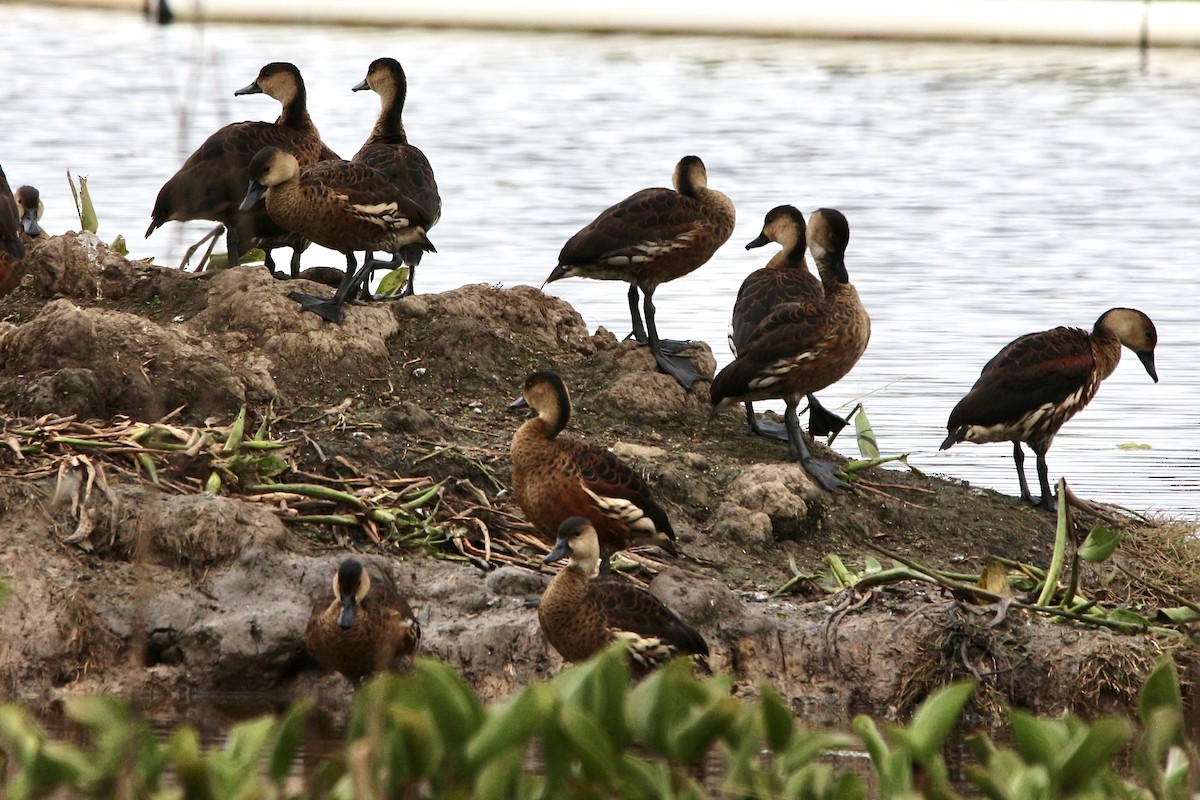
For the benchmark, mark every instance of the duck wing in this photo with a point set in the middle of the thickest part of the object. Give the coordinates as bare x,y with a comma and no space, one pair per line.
632,609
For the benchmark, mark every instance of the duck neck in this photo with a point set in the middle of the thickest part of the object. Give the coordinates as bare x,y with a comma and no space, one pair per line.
789,258
565,594
295,110
390,125
833,273
1106,351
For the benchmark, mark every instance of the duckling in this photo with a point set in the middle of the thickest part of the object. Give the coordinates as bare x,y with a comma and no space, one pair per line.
212,181
579,617
649,238
30,207
12,250
342,205
555,477
803,347
364,628
785,279
1040,380
387,149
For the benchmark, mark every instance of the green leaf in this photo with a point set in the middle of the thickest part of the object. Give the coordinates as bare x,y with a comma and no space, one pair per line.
1178,615
778,722
936,718
119,246
392,283
867,446
497,779
1099,544
288,735
1093,755
1133,446
87,213
1161,690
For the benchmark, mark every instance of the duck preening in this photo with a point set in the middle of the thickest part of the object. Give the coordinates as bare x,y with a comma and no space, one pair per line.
212,182
1039,381
343,205
365,628
803,346
647,239
785,279
555,477
580,616
31,208
387,149
12,249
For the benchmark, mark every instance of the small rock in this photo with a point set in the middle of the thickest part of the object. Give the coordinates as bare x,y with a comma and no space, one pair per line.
515,582
696,461
638,451
408,417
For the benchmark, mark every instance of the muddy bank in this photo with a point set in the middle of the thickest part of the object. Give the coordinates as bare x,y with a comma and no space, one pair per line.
122,584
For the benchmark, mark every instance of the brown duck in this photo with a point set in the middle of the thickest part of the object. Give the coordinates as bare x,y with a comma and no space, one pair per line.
580,616
785,279
212,182
342,205
802,347
1040,380
30,207
647,239
555,477
364,628
12,249
388,150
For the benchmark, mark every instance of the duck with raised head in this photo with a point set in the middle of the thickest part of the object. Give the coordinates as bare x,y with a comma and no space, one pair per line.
387,149
1040,380
12,249
30,207
649,238
212,181
343,205
804,346
580,616
365,628
556,476
785,279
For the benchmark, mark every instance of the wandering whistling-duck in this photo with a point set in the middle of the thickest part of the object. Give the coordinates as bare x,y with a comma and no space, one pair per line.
580,616
12,250
387,150
649,238
342,205
802,347
364,628
30,207
785,279
1039,381
212,182
555,477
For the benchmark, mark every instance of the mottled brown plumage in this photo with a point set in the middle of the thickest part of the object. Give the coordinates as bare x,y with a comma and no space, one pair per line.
802,347
1039,381
388,150
30,207
555,477
212,182
785,279
342,205
649,238
364,628
12,250
580,616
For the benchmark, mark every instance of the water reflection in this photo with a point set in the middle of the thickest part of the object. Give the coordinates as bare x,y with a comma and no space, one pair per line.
991,191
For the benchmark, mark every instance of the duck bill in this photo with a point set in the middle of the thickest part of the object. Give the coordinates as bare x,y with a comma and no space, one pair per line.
254,193
346,616
361,86
761,241
29,222
519,403
1147,359
561,550
253,88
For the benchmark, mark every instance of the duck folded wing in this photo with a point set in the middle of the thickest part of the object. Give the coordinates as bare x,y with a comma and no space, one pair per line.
618,490
628,608
620,231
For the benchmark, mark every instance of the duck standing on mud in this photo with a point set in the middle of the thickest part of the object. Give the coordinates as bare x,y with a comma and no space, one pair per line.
1040,380
580,616
387,149
364,628
804,346
212,181
649,238
555,477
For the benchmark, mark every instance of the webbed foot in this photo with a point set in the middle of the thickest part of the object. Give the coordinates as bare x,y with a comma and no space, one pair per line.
325,309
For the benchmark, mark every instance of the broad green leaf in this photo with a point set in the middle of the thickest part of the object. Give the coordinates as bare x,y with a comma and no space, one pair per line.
1105,737
1038,741
288,735
512,725
867,446
1133,446
936,717
119,246
497,779
1099,544
87,213
1178,614
778,722
994,578
1161,690
392,283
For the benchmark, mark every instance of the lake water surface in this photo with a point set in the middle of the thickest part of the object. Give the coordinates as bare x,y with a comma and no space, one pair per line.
991,190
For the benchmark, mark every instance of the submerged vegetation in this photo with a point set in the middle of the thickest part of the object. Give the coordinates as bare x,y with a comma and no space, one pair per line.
588,733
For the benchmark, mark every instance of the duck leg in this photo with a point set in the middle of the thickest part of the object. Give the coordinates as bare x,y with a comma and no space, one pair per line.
331,310
668,346
1047,501
210,237
233,246
766,428
678,367
294,265
1019,460
824,472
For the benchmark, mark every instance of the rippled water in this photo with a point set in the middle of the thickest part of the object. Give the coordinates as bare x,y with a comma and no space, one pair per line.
991,190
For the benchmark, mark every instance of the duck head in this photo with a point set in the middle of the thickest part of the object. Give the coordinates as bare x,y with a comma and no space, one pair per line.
783,224
350,585
577,540
29,206
1134,330
269,167
546,394
279,79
